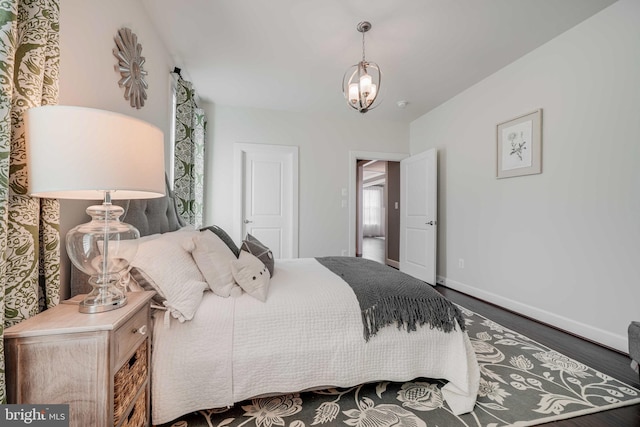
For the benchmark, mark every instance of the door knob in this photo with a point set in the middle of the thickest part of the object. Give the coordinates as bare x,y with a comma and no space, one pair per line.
246,221
430,223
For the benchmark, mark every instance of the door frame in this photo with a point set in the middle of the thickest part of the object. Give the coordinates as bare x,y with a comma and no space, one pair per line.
354,156
239,151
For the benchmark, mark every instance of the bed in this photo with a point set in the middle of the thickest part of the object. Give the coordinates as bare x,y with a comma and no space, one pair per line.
306,330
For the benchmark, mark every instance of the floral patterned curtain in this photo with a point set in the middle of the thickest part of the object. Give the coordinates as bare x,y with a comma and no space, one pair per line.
188,159
29,227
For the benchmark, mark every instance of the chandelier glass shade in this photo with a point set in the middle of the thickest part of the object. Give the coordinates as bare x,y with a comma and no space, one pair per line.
361,82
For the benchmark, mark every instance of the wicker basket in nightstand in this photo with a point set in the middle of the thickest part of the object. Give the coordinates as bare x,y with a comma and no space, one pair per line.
128,381
139,415
97,363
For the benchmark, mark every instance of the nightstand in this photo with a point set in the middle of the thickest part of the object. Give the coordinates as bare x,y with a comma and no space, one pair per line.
96,363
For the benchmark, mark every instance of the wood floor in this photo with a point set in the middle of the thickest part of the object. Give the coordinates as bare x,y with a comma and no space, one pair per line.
607,361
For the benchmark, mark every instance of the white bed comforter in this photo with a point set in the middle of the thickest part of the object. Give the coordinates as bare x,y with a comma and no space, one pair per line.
308,333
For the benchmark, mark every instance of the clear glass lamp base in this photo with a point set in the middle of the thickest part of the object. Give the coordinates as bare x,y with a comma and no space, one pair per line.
103,249
101,299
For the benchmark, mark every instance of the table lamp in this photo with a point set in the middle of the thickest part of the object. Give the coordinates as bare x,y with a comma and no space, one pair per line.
90,154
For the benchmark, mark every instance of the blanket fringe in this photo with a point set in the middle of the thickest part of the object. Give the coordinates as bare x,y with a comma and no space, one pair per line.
409,313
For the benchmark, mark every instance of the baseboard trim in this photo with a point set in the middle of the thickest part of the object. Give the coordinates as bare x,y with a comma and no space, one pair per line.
393,263
607,339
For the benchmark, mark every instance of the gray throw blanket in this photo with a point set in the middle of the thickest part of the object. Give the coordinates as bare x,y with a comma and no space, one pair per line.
388,296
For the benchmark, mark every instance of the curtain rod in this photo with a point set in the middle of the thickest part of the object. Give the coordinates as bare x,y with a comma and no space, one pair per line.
178,71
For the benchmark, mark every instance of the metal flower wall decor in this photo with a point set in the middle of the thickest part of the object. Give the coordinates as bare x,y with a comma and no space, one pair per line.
130,65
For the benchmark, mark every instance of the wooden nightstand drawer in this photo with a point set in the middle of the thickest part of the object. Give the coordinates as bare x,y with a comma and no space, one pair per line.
129,336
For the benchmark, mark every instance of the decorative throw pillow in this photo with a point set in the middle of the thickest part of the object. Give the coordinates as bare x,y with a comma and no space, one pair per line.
224,237
252,275
256,248
213,257
174,272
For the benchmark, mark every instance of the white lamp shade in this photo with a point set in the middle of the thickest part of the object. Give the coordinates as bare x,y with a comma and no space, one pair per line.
353,93
365,84
373,91
78,153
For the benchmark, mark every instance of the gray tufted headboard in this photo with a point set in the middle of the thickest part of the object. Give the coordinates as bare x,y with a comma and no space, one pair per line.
152,216
149,216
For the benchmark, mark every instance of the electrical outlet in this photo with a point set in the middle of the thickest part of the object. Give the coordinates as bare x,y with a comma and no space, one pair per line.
461,263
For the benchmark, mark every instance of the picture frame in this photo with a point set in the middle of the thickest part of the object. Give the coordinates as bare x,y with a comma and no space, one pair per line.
519,146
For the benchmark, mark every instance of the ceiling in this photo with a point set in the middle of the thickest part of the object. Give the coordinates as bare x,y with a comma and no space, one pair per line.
292,54
374,172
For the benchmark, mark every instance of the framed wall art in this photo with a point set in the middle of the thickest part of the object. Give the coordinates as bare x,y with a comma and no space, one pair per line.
519,146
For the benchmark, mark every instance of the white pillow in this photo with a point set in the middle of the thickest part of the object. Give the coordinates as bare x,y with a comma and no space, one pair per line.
252,275
170,234
213,257
174,272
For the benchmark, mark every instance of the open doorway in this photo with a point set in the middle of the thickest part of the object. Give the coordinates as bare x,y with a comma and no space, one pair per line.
378,211
418,189
353,191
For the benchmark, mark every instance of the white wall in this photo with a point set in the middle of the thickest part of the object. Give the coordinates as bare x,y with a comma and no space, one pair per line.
563,246
88,77
324,144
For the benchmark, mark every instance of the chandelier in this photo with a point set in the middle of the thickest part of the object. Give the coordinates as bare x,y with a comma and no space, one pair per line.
361,82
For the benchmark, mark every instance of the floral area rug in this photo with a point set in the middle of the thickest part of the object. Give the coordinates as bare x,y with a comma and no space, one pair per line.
522,383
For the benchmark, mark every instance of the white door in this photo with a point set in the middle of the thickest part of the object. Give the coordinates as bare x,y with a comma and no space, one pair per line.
269,202
418,207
